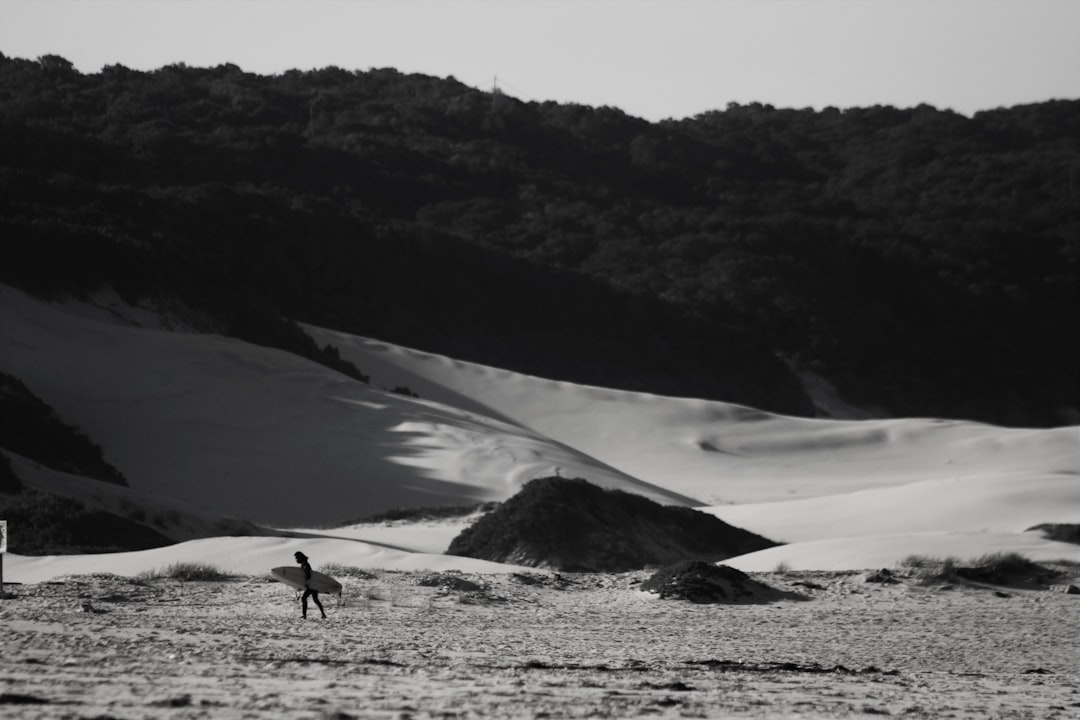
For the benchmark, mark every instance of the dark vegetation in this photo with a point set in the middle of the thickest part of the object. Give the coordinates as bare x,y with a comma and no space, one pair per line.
701,582
187,572
9,481
32,429
1011,569
575,526
923,261
417,514
40,523
1061,532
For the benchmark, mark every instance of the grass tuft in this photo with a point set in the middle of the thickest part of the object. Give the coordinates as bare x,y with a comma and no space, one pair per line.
1000,568
338,570
1003,562
187,572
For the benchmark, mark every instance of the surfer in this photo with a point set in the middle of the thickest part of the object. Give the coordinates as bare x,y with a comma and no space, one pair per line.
314,594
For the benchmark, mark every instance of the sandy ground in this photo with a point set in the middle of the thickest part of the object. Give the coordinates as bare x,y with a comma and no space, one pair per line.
534,646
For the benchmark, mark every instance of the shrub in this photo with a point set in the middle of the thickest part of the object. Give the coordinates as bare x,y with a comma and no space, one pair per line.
993,568
1004,563
701,582
346,571
187,572
930,570
927,562
449,581
1061,532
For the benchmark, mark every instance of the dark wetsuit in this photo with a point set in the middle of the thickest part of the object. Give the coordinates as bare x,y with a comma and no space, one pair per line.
308,592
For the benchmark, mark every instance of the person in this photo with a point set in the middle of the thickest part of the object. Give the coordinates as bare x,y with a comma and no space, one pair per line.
308,592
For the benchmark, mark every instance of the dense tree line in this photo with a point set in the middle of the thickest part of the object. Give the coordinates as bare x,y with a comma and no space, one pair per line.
923,261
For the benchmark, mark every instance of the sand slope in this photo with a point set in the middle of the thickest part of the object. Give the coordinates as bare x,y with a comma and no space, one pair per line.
250,556
222,428
262,434
720,452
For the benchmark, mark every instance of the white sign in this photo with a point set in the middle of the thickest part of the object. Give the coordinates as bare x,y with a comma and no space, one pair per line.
3,536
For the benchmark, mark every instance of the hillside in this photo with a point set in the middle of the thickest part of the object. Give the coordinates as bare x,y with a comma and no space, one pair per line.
29,427
241,430
211,431
241,420
922,262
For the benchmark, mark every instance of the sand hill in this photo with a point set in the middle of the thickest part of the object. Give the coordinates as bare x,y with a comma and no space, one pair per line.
212,431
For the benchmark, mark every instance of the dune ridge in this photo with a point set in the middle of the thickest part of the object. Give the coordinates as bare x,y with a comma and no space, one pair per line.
228,429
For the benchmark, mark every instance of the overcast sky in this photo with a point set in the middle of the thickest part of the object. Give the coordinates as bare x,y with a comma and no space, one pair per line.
652,58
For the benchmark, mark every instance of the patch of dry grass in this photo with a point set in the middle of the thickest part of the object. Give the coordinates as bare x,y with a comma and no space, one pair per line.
996,568
187,572
338,570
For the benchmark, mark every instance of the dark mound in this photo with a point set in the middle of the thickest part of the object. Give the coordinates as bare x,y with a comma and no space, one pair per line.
1062,532
701,582
1007,569
575,526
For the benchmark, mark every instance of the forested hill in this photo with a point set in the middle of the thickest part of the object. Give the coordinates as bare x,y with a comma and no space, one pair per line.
924,262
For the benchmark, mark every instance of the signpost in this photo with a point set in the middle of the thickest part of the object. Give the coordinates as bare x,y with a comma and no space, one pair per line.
3,549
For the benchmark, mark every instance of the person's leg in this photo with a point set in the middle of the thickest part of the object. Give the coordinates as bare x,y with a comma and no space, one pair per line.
303,601
315,597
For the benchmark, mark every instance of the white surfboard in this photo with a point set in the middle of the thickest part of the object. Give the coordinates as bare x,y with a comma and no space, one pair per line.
294,577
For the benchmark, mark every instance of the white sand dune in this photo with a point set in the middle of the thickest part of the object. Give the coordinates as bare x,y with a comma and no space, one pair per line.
262,434
245,556
886,551
219,428
720,452
1009,503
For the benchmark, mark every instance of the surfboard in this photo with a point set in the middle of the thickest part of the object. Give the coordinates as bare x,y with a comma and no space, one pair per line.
294,577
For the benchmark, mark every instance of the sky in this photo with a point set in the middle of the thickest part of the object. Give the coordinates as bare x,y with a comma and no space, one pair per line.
651,58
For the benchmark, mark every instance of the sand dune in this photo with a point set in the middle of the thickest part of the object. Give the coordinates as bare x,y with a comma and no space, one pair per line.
1009,503
720,452
258,433
222,428
249,556
886,551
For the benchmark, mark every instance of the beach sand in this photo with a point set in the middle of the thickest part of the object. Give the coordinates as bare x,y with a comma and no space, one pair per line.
453,645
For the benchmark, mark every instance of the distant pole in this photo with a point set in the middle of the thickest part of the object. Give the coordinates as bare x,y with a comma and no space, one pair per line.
3,549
